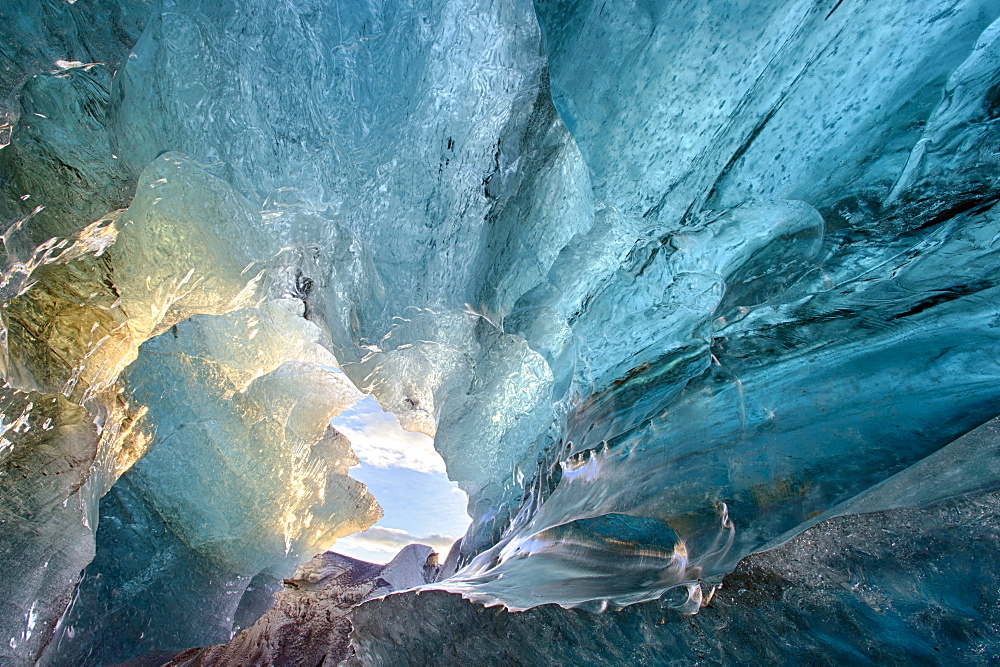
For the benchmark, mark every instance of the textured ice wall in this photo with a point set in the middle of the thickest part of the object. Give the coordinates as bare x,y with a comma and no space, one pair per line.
804,300
665,281
299,149
75,315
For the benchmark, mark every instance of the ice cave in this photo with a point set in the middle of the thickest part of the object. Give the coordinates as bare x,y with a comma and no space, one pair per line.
675,322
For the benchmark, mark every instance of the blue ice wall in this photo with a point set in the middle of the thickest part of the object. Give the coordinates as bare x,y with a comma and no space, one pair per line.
665,281
786,319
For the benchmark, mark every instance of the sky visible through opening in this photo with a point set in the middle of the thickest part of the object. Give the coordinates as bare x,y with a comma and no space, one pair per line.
407,476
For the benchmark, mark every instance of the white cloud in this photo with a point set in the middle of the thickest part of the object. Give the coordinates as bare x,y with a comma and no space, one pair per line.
380,441
391,540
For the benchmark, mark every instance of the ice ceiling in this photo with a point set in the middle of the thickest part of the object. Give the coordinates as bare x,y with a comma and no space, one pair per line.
668,282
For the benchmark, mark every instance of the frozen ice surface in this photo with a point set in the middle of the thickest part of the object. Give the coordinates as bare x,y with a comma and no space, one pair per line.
669,283
47,448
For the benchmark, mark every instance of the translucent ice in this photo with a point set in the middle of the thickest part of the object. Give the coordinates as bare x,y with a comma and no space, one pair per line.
667,282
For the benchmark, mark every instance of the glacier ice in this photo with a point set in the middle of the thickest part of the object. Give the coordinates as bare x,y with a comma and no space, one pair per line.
680,290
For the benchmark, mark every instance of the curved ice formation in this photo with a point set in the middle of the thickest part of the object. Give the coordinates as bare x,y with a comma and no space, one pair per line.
667,282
